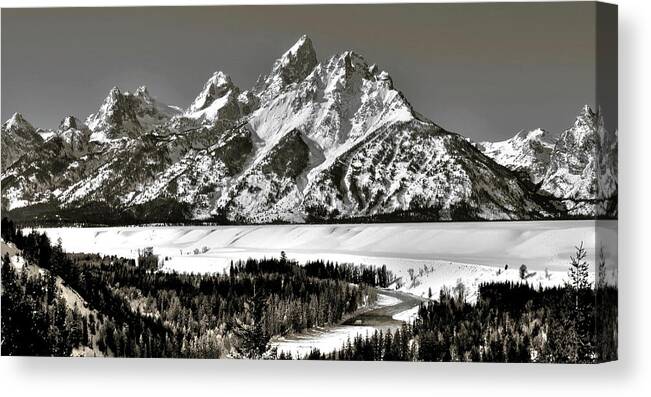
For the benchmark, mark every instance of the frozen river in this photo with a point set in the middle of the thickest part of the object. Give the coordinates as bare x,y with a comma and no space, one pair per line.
424,257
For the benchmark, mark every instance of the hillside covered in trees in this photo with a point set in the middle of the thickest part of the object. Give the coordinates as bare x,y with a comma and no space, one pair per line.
146,313
510,322
128,309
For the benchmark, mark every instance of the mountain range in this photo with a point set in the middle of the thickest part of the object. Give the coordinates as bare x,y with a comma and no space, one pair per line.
311,141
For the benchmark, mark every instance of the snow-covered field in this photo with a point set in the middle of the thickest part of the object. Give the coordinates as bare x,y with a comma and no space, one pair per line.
423,255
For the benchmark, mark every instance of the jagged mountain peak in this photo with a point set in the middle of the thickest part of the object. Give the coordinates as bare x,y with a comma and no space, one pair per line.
341,100
527,152
310,140
586,118
572,167
113,95
112,98
219,79
586,110
74,135
217,86
586,126
69,122
17,121
353,56
292,67
349,61
219,99
115,116
18,137
142,91
125,114
350,65
303,46
537,134
16,117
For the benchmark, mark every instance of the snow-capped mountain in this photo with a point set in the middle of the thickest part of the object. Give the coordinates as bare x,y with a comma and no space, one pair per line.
571,172
582,169
218,100
128,115
74,134
18,137
291,68
311,141
526,152
578,169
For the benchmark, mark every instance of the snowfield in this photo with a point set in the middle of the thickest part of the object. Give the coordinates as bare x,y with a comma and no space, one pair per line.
423,256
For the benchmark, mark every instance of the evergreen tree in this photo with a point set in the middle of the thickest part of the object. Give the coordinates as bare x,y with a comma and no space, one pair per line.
580,295
253,338
579,271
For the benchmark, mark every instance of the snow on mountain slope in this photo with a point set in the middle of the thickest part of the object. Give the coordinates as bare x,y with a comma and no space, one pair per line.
34,176
583,167
218,99
269,189
419,167
349,114
571,172
527,152
74,134
18,137
579,169
338,103
292,67
128,115
199,175
311,141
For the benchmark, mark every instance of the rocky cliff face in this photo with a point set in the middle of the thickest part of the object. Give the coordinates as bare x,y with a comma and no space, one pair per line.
578,169
311,141
18,137
528,152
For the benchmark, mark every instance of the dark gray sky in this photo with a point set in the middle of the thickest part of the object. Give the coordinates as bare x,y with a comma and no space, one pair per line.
483,70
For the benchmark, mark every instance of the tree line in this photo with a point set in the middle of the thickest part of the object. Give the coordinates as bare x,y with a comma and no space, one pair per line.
35,319
137,311
142,312
510,322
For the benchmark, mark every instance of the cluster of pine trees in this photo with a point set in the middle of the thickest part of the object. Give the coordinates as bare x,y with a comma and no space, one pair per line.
145,313
137,311
510,322
30,300
362,274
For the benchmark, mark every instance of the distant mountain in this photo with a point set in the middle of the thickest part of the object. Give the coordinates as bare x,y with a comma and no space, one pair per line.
583,166
578,169
128,115
526,152
17,138
310,142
